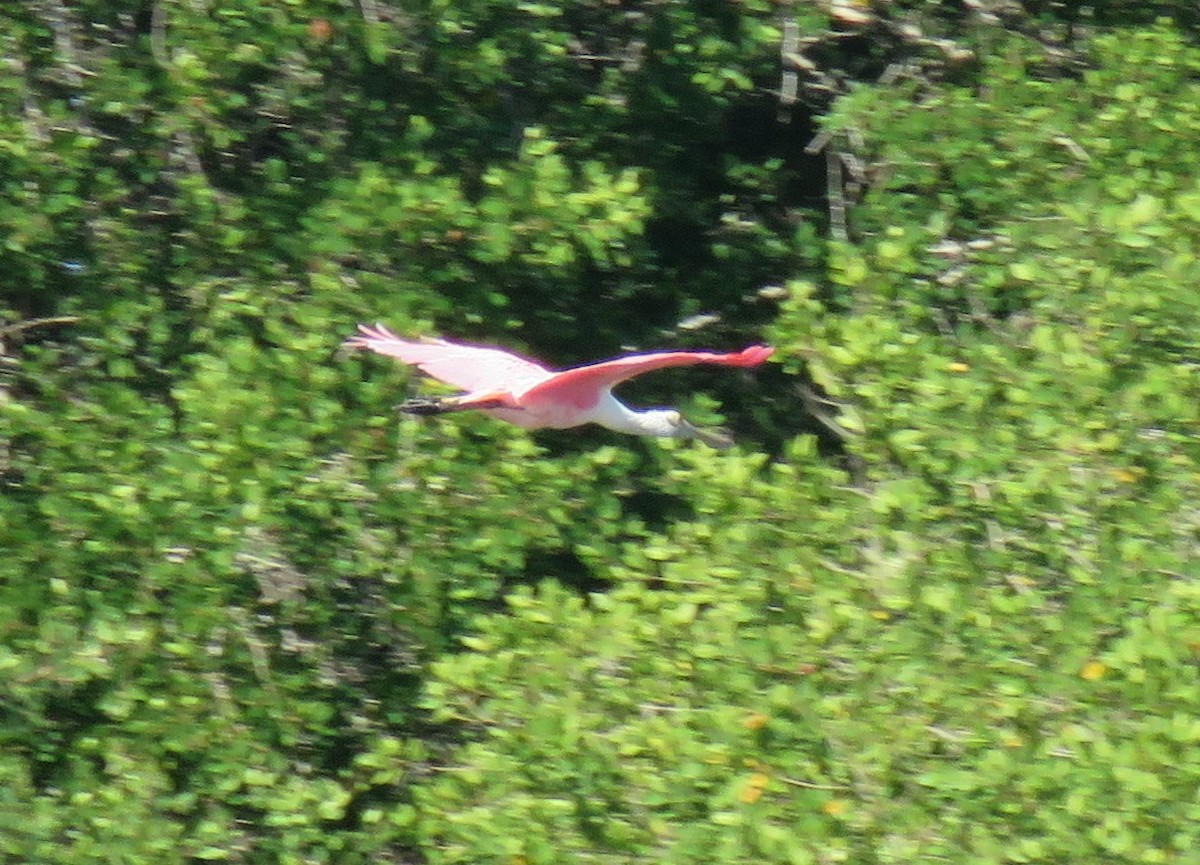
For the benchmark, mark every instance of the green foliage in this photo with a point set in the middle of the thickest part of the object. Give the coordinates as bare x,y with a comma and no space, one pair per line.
533,216
980,644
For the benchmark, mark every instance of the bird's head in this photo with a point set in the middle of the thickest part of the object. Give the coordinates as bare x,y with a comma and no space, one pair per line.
675,425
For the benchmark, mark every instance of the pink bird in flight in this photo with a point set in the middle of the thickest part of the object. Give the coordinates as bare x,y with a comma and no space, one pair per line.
523,392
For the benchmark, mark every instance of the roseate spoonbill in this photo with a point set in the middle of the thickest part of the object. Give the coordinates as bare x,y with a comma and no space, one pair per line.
523,392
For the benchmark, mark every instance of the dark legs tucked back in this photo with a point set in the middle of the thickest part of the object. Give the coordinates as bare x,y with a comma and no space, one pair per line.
442,406
425,406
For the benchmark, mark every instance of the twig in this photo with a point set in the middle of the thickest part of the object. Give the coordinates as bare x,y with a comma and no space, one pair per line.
808,785
158,35
789,85
10,329
812,402
819,142
370,12
837,200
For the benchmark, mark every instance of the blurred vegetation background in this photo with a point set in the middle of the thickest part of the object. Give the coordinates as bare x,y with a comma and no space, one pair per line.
941,605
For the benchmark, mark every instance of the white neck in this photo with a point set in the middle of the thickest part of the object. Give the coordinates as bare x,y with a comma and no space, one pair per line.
610,412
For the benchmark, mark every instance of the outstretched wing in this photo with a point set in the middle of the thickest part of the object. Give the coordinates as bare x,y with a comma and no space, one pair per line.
583,385
470,367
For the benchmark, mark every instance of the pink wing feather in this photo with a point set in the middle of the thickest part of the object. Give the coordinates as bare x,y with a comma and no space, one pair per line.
469,367
582,385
